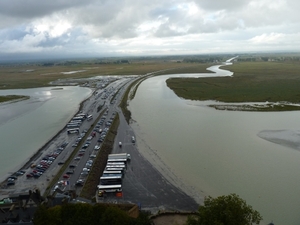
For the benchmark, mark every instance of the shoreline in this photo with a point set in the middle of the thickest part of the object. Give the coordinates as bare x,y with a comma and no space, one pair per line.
156,163
287,138
27,162
154,159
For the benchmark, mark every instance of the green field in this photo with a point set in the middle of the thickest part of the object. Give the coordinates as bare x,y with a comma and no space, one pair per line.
30,76
12,98
251,82
18,76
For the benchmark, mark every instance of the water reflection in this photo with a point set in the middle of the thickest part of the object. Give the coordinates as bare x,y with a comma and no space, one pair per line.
27,125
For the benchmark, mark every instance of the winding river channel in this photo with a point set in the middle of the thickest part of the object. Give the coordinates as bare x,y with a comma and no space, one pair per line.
218,152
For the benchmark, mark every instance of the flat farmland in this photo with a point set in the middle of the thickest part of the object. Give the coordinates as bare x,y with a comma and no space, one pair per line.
30,76
251,82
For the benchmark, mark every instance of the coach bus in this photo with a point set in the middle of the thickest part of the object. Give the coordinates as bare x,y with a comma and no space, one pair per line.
116,160
73,131
108,173
110,188
111,180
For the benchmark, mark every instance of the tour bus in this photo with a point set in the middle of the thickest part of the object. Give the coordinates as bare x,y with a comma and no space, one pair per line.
73,131
76,121
110,188
89,117
115,169
72,125
111,173
81,115
111,180
116,160
116,166
78,118
115,163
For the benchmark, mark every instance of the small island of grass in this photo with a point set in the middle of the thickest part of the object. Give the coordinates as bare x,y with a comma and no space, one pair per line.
274,84
8,98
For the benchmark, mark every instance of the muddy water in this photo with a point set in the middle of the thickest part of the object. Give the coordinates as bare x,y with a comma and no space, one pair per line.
218,152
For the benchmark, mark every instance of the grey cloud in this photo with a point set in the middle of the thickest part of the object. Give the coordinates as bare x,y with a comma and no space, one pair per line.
36,8
221,4
35,24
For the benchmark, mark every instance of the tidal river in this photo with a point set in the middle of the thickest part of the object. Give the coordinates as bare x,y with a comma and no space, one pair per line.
216,152
25,126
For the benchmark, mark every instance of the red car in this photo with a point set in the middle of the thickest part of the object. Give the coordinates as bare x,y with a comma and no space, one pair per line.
66,176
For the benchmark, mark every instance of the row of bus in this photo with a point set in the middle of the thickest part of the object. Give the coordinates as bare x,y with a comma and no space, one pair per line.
111,179
76,121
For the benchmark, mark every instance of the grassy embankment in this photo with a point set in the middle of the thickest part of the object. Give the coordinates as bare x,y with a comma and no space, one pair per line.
90,186
8,98
251,82
131,90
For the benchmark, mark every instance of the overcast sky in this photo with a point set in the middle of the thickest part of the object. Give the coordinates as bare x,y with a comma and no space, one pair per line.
41,28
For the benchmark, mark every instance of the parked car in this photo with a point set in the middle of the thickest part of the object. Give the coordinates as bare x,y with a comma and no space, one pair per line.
29,175
70,172
66,176
10,183
79,183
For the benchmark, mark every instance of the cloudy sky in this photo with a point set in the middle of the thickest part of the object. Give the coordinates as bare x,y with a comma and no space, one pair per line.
49,28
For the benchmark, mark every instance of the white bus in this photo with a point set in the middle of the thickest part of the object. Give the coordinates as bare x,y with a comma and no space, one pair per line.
81,115
111,180
111,173
117,160
115,169
72,125
110,188
73,131
78,118
116,166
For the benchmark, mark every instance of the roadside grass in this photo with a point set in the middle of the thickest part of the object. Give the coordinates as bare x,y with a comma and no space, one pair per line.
251,82
90,186
131,90
56,178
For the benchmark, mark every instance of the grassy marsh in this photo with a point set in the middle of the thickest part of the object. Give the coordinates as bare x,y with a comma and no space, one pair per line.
7,98
30,76
251,82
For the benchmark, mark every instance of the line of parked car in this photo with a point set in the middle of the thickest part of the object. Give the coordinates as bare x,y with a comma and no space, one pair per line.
44,164
12,179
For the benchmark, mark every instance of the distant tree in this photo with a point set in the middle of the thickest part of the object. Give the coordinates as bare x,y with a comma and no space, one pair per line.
225,210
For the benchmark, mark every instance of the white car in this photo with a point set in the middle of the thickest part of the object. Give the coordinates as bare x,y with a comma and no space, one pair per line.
89,138
97,147
86,170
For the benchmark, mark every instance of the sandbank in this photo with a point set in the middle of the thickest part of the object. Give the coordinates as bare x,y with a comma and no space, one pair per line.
288,138
155,160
